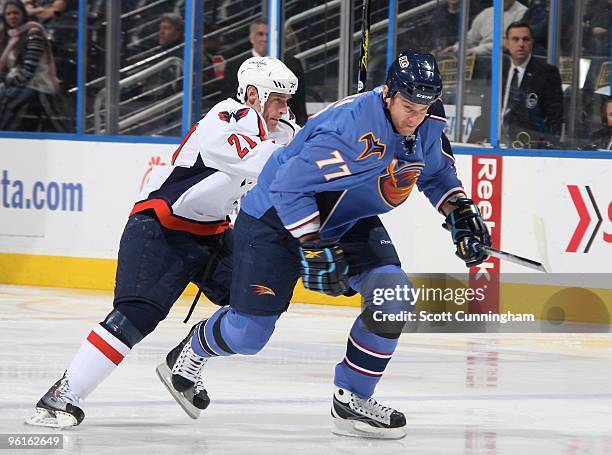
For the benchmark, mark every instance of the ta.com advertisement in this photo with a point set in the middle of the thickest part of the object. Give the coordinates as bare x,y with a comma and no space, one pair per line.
68,198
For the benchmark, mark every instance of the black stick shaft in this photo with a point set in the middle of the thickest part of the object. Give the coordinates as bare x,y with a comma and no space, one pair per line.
365,40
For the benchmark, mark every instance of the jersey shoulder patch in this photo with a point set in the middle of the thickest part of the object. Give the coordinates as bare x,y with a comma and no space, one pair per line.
227,116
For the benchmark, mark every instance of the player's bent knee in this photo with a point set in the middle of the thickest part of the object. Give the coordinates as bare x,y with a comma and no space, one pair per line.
122,328
143,316
247,334
387,297
390,329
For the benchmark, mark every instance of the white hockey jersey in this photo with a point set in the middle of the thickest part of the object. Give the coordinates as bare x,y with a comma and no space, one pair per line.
217,162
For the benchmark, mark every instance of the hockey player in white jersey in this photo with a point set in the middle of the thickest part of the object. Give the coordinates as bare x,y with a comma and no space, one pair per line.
178,232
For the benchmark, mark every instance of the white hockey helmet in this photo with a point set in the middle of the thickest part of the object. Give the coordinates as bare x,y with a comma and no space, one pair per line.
267,75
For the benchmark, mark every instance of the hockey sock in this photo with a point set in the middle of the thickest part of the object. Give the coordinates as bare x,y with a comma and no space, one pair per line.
367,356
229,332
371,343
97,357
104,349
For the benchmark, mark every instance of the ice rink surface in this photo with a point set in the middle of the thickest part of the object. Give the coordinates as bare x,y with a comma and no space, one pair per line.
483,394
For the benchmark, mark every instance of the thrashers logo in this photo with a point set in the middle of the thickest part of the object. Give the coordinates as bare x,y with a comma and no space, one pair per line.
373,146
237,115
259,289
395,186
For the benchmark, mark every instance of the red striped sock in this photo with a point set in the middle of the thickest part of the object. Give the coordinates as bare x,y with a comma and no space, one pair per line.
97,357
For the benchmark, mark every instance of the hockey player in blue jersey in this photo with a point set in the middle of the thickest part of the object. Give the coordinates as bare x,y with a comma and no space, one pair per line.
314,214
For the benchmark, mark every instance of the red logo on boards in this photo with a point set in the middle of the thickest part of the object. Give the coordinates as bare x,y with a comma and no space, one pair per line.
487,195
153,161
590,219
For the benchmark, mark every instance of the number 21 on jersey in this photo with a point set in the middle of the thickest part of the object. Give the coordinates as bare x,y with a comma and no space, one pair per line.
234,140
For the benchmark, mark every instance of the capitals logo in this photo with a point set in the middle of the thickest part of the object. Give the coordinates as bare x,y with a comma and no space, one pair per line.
239,114
396,184
259,289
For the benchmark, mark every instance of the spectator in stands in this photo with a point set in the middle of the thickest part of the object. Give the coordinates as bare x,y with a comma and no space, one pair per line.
598,19
447,17
171,31
480,34
258,37
45,10
28,82
537,17
602,138
166,82
139,25
533,98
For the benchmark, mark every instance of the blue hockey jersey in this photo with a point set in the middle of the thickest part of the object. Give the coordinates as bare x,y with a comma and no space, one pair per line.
348,163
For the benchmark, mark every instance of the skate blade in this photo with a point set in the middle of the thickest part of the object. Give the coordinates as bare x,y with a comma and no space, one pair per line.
357,429
165,376
43,418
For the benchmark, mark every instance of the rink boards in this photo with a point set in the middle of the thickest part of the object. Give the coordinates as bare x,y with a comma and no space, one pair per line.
63,205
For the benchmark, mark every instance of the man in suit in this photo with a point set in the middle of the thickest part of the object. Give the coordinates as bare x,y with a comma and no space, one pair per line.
532,108
258,37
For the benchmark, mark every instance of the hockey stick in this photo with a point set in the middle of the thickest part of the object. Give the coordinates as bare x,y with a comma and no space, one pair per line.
530,263
365,41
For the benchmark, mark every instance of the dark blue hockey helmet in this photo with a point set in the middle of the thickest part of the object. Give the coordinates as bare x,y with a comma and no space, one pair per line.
416,77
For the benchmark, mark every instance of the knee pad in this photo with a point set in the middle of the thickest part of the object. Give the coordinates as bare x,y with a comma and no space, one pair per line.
245,333
121,328
386,329
142,316
378,303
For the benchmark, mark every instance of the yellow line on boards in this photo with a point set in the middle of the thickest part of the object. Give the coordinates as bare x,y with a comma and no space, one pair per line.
546,302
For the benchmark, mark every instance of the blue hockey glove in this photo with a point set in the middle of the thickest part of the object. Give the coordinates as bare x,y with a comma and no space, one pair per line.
469,232
324,268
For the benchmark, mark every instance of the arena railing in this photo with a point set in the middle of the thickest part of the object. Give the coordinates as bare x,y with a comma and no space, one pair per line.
194,13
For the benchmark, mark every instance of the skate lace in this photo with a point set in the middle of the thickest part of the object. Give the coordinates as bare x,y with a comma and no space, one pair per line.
199,386
372,408
189,365
65,393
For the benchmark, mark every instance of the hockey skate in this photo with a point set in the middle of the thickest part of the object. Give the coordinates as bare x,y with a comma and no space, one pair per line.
180,373
365,418
58,408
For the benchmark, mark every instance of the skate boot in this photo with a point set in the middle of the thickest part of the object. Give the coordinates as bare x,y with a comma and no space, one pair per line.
365,418
180,373
58,408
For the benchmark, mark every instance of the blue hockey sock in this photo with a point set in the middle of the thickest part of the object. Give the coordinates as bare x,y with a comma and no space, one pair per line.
371,345
367,356
228,332
207,340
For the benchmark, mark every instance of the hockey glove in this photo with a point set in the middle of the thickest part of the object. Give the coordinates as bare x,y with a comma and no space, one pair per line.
469,232
324,268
